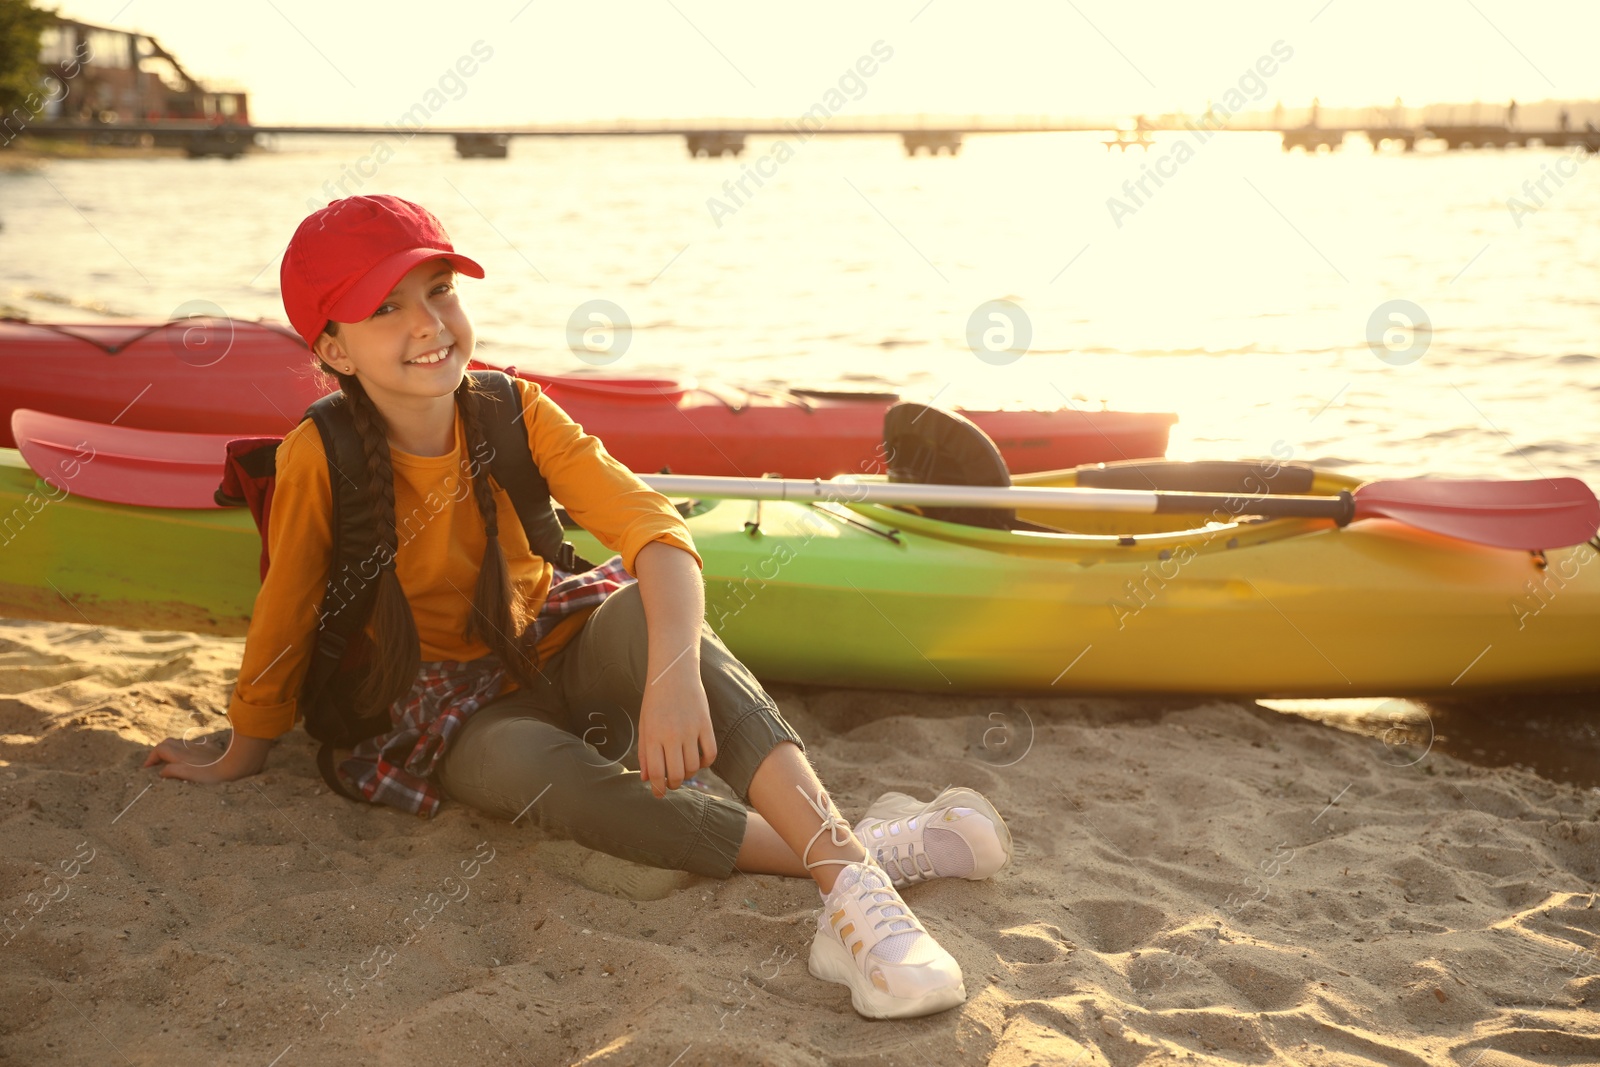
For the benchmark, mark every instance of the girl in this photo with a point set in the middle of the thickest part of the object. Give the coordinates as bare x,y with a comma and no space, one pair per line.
497,677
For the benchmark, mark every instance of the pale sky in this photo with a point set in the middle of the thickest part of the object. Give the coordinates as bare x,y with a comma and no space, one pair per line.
314,61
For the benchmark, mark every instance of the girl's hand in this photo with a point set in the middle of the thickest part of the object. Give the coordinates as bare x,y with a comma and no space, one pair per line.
675,736
182,759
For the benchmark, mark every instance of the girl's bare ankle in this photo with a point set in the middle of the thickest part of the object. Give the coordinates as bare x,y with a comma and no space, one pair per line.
841,843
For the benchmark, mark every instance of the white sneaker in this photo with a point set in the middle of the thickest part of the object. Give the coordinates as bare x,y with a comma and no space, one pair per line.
867,939
957,834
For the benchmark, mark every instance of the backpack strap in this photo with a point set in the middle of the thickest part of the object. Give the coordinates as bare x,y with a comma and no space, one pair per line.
354,569
331,775
511,462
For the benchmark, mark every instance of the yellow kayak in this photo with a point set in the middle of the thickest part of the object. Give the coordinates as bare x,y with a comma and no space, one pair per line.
1112,602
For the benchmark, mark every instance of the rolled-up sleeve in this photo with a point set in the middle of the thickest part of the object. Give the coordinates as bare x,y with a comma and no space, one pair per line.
283,626
602,495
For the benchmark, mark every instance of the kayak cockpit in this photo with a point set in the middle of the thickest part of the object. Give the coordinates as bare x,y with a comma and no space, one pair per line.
926,445
1052,531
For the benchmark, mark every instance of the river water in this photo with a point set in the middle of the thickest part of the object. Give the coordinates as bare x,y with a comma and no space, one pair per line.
1239,292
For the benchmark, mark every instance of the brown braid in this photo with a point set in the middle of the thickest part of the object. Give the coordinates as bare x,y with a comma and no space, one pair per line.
397,648
498,612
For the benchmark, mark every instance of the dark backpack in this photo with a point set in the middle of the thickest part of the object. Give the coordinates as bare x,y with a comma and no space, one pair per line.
343,651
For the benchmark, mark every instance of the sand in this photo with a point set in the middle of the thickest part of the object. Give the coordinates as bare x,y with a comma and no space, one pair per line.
1195,882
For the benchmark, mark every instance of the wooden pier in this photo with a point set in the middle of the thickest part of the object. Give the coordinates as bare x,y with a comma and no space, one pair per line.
1126,139
1312,138
1378,136
229,140
1455,137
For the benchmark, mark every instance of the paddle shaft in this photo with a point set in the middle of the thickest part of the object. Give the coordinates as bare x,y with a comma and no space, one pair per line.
1339,508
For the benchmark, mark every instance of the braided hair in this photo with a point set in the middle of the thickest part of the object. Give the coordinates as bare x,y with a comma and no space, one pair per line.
499,616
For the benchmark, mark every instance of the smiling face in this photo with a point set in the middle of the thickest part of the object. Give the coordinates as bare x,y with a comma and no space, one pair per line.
410,353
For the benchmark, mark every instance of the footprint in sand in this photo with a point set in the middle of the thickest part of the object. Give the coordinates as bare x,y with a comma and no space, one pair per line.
1034,943
40,673
1116,925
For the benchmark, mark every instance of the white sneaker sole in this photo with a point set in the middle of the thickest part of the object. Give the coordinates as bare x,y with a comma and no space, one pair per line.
893,806
832,963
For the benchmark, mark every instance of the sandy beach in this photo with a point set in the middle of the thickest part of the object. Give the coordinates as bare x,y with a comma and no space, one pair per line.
1195,882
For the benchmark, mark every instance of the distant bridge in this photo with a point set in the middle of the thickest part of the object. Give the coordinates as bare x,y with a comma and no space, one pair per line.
728,136
703,138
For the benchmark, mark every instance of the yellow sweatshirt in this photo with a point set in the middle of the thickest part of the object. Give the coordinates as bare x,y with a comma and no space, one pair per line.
440,541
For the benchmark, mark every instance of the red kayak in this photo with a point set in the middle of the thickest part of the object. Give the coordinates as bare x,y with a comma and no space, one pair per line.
228,376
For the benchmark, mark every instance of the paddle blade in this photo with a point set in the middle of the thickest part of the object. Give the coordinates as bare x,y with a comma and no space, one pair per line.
1530,515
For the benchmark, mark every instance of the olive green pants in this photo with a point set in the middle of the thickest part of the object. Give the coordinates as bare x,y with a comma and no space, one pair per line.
563,753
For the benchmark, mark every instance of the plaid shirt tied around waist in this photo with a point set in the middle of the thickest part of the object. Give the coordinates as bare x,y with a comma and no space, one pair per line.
397,768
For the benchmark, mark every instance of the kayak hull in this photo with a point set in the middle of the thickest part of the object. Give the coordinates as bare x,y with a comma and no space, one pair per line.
224,376
866,596
1374,609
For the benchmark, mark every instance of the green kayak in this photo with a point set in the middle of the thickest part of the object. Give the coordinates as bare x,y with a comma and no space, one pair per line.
871,596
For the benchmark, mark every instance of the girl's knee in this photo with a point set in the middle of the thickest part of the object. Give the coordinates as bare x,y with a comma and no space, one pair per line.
520,759
620,619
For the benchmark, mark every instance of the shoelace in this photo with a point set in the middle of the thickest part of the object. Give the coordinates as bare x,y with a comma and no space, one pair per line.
899,864
904,822
831,821
879,907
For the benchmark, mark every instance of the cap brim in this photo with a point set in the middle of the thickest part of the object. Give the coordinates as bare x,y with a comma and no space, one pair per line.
368,294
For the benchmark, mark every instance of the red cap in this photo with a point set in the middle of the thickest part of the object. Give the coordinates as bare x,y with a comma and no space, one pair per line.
345,258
